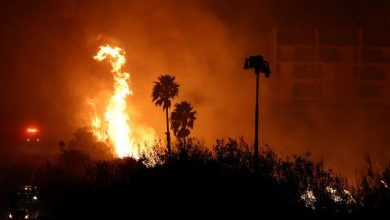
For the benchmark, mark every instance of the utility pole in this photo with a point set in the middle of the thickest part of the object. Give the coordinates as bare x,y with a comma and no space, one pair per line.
259,65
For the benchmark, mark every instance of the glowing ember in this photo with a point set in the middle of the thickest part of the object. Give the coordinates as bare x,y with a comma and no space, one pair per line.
309,198
349,196
384,184
333,193
117,119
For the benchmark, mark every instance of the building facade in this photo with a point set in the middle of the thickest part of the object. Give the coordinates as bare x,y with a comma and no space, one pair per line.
348,68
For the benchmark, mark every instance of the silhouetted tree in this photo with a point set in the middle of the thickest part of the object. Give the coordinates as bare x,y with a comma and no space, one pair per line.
224,179
73,163
182,120
163,91
373,189
83,140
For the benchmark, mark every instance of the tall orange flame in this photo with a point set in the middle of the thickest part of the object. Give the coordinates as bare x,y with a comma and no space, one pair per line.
97,126
116,117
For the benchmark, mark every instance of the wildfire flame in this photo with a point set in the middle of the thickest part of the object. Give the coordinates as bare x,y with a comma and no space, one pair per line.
118,130
97,125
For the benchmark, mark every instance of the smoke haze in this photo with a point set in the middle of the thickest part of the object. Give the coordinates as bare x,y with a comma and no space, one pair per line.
47,70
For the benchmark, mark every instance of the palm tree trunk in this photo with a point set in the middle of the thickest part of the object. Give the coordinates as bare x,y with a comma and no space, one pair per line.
256,144
168,134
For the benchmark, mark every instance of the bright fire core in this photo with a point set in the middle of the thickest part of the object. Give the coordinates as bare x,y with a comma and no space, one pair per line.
116,127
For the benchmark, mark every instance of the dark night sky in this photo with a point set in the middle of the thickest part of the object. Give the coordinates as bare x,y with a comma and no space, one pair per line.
47,70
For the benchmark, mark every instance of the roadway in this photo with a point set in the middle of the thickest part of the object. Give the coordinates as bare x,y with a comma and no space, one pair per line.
22,164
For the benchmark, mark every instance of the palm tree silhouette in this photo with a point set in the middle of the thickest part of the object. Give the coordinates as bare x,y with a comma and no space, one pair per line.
182,119
163,91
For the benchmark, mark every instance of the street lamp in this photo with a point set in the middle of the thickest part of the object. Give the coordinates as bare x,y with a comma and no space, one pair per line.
259,65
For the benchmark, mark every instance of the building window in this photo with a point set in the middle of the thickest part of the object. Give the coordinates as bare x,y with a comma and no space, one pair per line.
305,53
370,91
306,90
370,73
307,72
329,54
373,55
285,53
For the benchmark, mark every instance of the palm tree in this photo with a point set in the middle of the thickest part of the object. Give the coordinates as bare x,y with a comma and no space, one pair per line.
163,92
182,119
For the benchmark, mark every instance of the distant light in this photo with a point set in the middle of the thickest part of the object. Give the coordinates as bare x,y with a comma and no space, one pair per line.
32,130
26,217
384,184
37,139
9,215
35,197
28,139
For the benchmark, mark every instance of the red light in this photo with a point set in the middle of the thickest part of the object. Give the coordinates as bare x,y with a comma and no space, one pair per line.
32,130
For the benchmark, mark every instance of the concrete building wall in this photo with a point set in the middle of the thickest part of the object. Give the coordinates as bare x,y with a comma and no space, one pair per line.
330,68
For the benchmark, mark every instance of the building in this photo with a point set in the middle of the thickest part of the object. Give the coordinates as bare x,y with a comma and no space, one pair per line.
329,93
346,68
